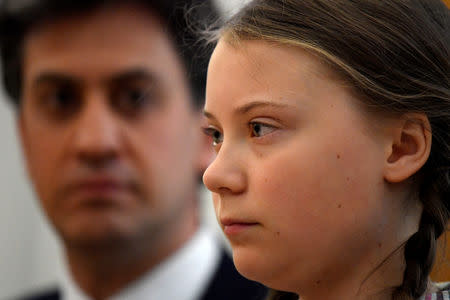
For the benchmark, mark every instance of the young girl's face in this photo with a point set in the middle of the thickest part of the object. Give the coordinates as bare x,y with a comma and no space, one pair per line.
298,178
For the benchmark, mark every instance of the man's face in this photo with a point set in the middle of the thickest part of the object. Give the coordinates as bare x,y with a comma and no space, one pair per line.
109,135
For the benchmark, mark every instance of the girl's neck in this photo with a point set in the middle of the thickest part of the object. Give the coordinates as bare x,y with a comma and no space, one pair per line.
375,282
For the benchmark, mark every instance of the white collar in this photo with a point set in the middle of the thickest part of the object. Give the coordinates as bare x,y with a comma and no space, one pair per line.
183,276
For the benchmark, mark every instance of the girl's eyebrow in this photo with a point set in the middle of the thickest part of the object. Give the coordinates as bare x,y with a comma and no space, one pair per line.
256,104
250,106
208,115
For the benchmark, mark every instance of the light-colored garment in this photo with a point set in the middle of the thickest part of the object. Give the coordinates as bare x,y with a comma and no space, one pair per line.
183,276
443,292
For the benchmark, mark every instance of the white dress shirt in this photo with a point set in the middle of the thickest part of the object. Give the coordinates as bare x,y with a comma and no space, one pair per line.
185,275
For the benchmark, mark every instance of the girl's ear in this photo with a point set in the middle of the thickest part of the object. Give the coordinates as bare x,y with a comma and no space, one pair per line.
409,148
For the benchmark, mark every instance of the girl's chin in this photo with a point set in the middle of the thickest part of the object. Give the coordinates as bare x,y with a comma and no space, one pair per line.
253,266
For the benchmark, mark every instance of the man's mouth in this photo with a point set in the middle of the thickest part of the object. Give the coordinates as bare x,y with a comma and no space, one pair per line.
98,191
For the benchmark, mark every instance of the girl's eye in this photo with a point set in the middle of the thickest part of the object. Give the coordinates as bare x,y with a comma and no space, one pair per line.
260,129
215,134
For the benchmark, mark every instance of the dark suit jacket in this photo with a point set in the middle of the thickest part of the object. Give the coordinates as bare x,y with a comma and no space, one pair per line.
226,284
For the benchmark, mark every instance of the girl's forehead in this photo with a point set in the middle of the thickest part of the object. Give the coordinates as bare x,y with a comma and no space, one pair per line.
261,55
285,64
257,70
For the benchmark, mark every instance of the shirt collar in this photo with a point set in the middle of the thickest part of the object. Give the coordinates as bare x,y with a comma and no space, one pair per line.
183,276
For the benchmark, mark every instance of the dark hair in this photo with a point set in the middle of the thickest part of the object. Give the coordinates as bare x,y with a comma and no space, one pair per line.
17,17
396,56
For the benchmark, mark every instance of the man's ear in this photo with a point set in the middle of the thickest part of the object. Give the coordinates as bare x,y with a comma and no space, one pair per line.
206,152
20,129
409,148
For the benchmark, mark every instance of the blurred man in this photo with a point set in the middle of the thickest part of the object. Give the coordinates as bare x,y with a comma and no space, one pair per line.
108,96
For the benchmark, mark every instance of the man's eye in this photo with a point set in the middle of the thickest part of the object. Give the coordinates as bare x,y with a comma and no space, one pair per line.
136,96
61,98
132,100
259,129
59,102
216,135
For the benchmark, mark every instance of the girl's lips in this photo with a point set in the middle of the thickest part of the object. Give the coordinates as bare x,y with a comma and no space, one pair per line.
236,228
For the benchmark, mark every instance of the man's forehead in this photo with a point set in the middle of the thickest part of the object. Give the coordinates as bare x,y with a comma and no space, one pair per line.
122,16
110,40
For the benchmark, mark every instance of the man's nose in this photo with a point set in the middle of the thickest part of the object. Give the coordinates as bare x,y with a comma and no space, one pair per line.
226,174
96,135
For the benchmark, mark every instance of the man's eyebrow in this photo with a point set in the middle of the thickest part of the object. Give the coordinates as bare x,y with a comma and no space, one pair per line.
128,75
54,77
134,74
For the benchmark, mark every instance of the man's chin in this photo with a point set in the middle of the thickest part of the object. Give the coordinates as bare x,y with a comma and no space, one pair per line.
98,234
